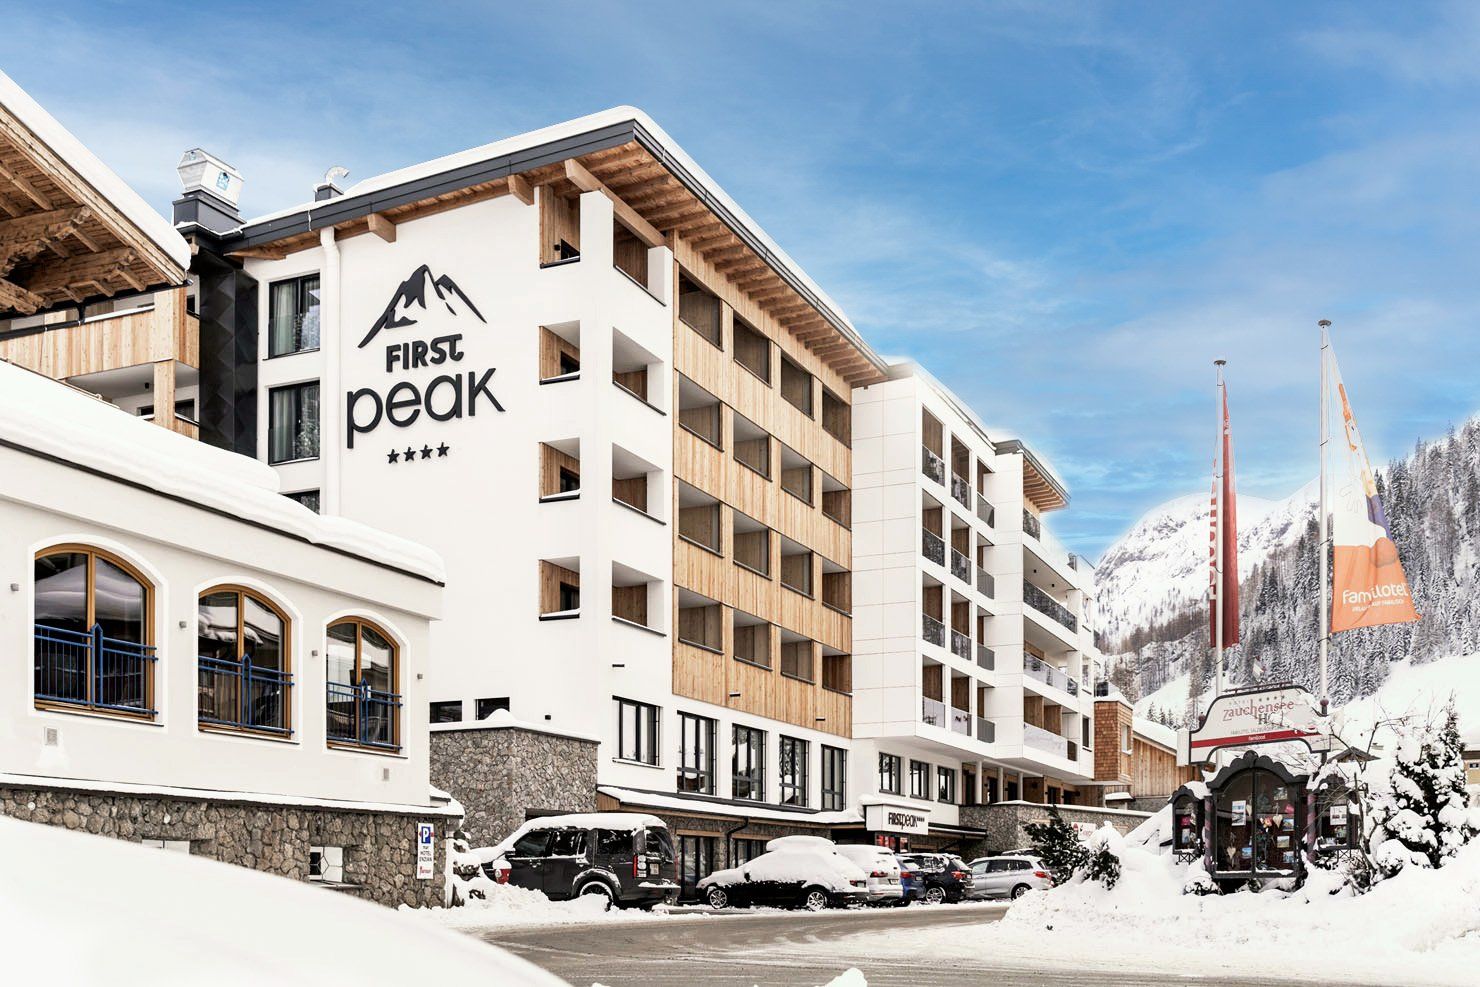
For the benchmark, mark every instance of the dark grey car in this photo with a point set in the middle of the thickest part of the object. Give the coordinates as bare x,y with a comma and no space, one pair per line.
628,866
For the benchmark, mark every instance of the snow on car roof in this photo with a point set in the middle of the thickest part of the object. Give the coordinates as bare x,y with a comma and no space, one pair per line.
631,821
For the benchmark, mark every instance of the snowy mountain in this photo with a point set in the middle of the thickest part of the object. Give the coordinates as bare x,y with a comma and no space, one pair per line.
1159,568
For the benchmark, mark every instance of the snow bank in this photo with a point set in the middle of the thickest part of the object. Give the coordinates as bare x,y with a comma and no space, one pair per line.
80,909
507,906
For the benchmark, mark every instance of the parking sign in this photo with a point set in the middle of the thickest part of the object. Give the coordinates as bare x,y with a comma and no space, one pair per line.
426,850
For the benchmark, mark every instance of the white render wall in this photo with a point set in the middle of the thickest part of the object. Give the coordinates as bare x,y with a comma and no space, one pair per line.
184,549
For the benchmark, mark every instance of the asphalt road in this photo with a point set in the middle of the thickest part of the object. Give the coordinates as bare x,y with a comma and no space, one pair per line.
771,949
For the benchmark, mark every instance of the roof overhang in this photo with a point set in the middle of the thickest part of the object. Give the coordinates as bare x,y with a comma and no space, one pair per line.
1040,486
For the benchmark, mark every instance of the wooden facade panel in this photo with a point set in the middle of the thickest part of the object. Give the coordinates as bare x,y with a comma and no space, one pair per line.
699,674
165,332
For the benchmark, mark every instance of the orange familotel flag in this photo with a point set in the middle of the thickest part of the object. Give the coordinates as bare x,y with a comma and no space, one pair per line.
1229,588
1368,586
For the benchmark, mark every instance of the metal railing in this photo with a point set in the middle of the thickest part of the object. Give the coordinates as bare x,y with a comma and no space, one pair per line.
986,511
985,584
932,546
960,645
932,465
961,490
1043,740
1044,672
361,715
986,730
933,712
960,566
86,668
986,657
933,630
239,694
961,721
1031,524
1048,606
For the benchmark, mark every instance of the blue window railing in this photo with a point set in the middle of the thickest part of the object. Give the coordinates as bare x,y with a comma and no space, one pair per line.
245,696
358,714
87,668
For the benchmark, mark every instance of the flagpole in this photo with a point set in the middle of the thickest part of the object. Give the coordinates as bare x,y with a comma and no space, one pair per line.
1221,507
1325,630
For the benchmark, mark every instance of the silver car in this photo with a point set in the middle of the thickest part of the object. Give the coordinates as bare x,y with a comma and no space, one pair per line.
1008,877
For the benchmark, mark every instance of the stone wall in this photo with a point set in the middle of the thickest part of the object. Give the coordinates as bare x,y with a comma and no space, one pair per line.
1004,821
379,847
505,775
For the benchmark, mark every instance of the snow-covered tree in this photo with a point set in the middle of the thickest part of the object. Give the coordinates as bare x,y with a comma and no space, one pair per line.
1423,817
1057,845
1103,863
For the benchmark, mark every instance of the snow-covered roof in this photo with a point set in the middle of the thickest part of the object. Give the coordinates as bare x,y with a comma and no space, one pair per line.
1155,732
69,425
91,170
502,719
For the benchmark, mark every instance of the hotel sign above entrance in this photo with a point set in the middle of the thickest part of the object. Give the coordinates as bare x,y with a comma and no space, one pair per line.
1254,717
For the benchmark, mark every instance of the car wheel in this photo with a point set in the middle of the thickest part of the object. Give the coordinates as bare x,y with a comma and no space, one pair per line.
814,899
1019,891
718,898
599,889
935,894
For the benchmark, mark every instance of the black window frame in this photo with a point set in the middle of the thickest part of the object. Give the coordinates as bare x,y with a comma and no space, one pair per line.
793,786
698,764
649,716
489,705
834,778
300,419
436,711
890,781
945,785
300,284
753,779
919,779
302,497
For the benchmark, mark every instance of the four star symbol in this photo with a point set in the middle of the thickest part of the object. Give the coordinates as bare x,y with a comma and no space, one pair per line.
409,454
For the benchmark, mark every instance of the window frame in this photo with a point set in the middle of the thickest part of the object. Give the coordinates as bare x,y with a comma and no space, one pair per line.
298,282
945,784
793,788
243,593
920,772
834,778
705,731
755,777
895,777
649,717
297,387
395,697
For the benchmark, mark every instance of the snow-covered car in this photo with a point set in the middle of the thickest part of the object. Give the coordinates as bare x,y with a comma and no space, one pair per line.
809,877
624,857
1008,876
880,865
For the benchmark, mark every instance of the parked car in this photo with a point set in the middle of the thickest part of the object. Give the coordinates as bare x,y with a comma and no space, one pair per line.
809,877
879,864
1008,876
910,881
944,876
624,858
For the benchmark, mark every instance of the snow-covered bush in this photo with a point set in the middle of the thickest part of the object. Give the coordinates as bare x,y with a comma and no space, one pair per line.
1057,845
1103,863
1421,817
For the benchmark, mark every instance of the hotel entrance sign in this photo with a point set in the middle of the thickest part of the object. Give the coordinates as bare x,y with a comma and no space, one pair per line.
1254,717
896,819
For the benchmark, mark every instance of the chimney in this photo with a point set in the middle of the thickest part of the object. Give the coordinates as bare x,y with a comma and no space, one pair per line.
210,190
327,189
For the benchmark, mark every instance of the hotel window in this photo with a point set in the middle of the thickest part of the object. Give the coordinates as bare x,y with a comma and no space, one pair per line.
751,544
560,226
308,498
945,784
743,851
752,445
793,766
889,774
752,638
748,771
184,408
560,589
1125,738
796,386
796,566
245,676
361,670
837,501
797,661
560,470
449,711
699,310
837,417
326,864
93,632
837,671
487,707
796,475
834,777
753,351
700,622
919,780
293,423
699,413
696,754
637,731
560,352
293,316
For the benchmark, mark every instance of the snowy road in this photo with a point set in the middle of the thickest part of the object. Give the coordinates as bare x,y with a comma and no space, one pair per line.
795,949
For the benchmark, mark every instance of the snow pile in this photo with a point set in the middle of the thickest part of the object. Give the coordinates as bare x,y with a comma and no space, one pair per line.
167,918
508,906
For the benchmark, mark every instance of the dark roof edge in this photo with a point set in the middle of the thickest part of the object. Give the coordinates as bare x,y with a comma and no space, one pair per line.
1017,445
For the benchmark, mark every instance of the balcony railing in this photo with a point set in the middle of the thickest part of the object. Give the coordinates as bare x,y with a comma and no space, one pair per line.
960,566
239,694
961,721
932,546
986,511
960,645
933,712
1031,524
986,657
932,465
986,730
1046,673
1043,740
933,630
1048,606
362,715
961,490
88,669
985,584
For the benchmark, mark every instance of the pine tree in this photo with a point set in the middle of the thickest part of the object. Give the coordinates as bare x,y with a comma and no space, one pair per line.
1423,819
1102,864
1056,844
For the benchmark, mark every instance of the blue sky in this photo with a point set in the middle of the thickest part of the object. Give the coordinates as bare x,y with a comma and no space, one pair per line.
1065,211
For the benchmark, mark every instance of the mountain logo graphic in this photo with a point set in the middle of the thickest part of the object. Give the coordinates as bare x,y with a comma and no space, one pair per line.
421,291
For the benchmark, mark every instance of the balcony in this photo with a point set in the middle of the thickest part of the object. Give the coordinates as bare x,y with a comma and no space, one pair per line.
1049,607
986,511
960,645
932,465
1031,524
986,730
1042,671
960,567
1043,740
933,712
961,490
240,695
986,657
85,668
961,721
933,630
358,714
932,546
985,584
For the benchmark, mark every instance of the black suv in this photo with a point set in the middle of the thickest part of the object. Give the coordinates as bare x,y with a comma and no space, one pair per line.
628,860
944,877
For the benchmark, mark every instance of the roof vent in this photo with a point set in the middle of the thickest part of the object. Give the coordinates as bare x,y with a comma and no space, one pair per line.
328,189
202,171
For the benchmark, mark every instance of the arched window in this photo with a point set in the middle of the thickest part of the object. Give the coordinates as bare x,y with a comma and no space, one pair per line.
1261,821
94,633
245,672
364,703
